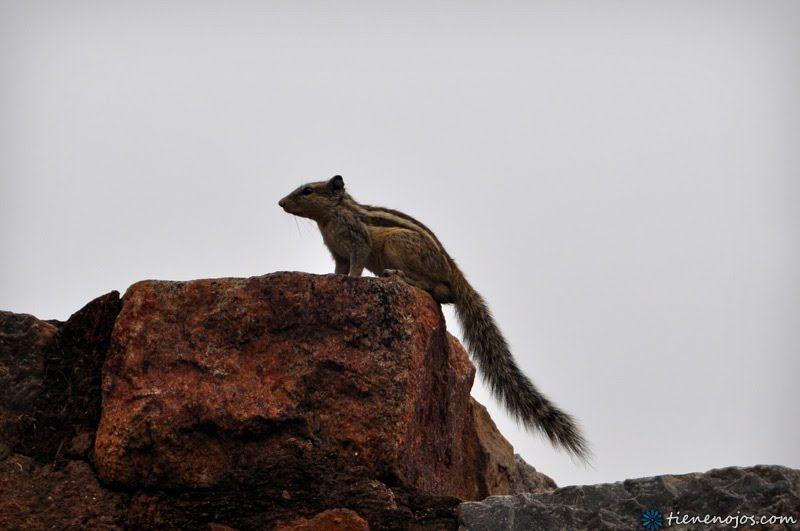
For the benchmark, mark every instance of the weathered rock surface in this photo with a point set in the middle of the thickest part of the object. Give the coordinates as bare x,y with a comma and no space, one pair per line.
211,381
283,400
49,411
494,460
36,496
526,479
50,380
331,520
24,340
761,491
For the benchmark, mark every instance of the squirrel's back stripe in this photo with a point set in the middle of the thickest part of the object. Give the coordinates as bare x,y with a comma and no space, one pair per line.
386,217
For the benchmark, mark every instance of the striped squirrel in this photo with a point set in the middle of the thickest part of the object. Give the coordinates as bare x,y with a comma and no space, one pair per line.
388,242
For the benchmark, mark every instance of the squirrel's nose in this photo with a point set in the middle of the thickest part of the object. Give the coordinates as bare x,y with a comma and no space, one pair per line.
282,203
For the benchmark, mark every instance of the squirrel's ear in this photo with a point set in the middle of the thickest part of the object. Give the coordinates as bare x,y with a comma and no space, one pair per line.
337,183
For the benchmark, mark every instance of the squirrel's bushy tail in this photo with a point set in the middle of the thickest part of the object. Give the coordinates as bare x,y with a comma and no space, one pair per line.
507,382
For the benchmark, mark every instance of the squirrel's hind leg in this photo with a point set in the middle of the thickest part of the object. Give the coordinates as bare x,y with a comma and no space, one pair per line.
440,292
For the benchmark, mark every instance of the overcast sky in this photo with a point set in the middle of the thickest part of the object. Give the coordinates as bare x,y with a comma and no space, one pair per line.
620,180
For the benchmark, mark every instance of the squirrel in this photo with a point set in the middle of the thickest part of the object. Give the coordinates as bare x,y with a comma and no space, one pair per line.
390,243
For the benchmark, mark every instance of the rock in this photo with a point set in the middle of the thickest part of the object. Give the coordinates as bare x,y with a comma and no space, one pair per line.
219,527
49,409
50,379
310,392
332,520
24,342
526,479
761,491
207,381
37,497
493,454
362,407
491,457
71,401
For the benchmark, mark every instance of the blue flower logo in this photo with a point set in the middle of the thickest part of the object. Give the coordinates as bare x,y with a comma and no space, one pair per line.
652,520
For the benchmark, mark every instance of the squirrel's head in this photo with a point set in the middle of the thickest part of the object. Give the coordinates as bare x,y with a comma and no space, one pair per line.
314,200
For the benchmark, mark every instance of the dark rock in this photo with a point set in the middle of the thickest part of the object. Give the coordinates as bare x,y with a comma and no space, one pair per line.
526,479
37,497
70,401
24,344
761,491
492,454
50,379
49,409
23,340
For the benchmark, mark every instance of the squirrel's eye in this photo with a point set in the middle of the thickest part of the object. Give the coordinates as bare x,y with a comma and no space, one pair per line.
308,190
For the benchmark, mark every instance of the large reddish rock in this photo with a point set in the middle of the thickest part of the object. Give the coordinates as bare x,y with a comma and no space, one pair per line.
283,401
213,382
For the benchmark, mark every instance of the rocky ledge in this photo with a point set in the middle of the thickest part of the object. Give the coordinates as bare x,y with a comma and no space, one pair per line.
270,402
287,401
761,497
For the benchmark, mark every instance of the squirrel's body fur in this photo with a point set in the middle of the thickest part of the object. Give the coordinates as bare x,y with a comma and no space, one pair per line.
387,242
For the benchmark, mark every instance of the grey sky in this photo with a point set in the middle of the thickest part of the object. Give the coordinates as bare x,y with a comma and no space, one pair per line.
618,179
